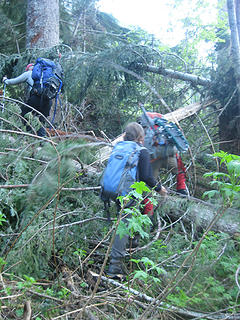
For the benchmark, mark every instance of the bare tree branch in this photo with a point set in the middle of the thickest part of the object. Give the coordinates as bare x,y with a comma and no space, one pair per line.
162,305
236,277
175,74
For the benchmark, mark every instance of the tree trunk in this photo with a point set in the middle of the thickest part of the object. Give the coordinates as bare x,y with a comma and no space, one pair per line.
42,26
229,83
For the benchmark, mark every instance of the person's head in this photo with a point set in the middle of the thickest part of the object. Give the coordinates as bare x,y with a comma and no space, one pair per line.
134,132
29,67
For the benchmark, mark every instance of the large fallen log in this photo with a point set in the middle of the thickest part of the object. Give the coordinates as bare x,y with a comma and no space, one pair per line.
188,111
200,213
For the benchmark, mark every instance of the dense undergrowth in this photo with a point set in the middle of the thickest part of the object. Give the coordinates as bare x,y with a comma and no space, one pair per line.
54,238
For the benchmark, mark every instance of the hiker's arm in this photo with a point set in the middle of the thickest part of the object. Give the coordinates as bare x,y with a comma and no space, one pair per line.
22,78
145,170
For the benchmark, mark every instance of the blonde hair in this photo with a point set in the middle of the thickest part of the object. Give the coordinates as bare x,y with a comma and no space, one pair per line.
133,132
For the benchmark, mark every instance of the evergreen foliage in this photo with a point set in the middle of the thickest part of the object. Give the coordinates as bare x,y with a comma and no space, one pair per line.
12,14
54,230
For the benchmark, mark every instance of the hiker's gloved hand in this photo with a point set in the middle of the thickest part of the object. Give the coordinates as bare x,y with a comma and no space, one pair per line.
4,78
163,192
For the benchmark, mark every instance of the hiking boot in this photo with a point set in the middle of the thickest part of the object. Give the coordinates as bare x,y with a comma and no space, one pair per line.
134,242
183,192
115,269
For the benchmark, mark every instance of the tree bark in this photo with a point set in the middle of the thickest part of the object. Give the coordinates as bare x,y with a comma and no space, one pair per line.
237,4
232,18
42,24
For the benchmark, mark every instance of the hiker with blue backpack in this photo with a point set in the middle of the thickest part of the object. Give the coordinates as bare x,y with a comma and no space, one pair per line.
128,162
44,79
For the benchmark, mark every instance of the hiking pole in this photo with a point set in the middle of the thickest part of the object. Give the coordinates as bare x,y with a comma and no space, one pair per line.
157,133
3,102
4,90
56,101
149,120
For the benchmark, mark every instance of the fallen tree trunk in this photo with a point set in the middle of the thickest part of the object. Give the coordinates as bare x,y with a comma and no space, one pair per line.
188,111
199,213
175,74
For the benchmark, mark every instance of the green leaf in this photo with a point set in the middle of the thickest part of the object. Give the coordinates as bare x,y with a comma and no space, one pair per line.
30,279
156,280
136,195
2,218
210,194
135,260
122,230
140,187
19,312
234,167
20,285
139,274
147,262
160,270
83,285
2,261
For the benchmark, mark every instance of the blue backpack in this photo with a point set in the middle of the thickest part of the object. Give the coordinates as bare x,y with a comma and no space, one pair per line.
121,171
47,77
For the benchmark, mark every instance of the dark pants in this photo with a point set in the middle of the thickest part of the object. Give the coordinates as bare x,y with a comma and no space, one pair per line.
119,245
42,105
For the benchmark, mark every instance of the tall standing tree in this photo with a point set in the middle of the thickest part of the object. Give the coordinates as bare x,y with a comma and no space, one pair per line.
42,25
227,87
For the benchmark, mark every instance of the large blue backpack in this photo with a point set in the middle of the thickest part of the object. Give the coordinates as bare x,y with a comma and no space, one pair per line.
47,77
121,171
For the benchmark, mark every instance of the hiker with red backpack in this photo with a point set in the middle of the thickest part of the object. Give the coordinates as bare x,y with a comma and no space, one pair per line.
165,141
128,162
44,80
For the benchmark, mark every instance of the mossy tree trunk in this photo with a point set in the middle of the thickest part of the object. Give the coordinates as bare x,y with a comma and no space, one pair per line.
42,24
